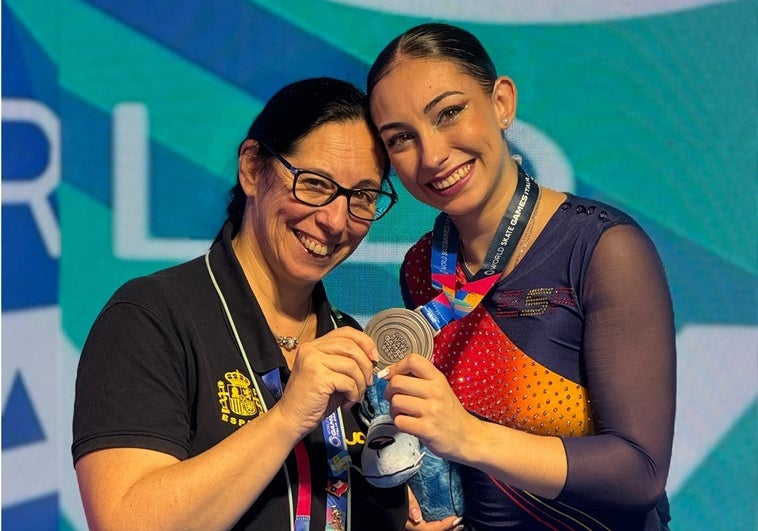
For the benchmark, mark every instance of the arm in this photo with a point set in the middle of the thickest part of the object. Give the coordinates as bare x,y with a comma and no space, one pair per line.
130,487
133,488
630,359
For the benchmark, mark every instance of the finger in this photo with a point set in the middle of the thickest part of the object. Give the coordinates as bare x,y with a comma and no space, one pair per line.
420,367
363,341
412,365
365,364
351,344
405,404
345,377
413,386
416,521
317,373
414,510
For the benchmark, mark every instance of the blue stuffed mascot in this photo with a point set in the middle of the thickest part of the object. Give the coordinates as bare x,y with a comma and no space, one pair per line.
391,458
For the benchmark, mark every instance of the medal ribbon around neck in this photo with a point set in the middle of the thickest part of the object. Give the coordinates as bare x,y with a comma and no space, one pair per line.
454,303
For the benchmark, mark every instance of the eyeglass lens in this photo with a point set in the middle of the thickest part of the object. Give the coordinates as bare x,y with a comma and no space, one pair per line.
317,190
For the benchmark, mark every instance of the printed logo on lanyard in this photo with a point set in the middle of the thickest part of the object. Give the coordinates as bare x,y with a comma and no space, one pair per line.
338,459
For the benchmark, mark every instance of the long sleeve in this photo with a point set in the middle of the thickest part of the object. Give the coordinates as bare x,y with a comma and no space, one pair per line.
630,363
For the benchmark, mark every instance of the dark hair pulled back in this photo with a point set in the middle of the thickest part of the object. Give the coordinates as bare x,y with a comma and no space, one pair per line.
435,40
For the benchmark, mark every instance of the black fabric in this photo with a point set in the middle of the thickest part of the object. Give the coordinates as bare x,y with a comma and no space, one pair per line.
159,354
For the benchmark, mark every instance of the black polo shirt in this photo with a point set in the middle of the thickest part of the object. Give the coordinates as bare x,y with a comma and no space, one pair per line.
161,370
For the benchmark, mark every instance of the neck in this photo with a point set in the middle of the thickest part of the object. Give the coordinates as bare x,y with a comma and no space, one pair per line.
478,227
274,296
286,307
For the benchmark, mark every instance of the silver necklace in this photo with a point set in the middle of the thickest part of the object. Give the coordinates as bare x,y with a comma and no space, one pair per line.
290,343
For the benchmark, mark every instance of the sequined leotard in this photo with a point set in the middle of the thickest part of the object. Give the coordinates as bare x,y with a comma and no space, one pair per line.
565,345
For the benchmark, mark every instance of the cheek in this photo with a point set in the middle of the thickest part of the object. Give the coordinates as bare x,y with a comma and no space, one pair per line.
404,165
357,233
280,203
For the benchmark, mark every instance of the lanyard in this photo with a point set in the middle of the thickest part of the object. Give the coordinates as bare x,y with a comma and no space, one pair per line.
455,302
339,463
337,516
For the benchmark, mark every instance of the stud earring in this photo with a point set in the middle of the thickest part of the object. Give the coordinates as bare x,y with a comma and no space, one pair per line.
506,122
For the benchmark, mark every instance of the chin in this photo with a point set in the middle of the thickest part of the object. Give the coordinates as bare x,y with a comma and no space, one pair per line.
316,269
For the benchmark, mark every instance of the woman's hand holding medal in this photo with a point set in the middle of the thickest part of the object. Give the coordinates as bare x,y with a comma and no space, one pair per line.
328,373
422,402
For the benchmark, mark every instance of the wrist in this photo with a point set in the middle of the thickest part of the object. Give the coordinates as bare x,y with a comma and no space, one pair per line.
288,431
474,445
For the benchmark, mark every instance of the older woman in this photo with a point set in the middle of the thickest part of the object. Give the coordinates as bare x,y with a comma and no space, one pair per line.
219,393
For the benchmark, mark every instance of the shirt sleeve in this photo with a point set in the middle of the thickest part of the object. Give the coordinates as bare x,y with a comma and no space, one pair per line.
131,386
630,363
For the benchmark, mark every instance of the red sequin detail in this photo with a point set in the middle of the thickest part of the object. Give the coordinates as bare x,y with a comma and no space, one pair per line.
491,376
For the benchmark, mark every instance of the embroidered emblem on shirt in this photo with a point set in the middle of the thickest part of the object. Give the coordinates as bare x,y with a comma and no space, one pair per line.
237,398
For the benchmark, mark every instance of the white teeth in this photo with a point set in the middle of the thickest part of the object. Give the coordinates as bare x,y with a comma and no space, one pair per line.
454,178
313,246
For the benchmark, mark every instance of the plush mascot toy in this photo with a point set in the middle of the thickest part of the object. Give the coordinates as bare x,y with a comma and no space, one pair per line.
391,458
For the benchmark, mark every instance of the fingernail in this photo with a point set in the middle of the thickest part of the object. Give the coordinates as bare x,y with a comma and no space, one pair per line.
375,354
458,521
383,373
458,528
415,515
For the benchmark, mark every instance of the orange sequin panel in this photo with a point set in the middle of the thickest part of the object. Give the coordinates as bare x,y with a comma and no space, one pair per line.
493,378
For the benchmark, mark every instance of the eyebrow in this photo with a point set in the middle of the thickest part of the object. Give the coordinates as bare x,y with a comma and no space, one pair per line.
439,98
365,183
428,107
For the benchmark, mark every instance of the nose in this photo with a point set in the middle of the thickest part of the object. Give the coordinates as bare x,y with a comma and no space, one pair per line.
433,150
333,216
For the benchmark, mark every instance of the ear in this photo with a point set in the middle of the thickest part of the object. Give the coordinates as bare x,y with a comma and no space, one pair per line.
249,166
504,98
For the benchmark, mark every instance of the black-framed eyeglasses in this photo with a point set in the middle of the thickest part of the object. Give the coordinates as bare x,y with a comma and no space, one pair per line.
314,189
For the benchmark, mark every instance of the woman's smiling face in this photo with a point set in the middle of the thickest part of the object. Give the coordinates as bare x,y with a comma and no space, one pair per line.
303,243
443,132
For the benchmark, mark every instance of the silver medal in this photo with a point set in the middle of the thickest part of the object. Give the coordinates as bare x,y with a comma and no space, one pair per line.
398,332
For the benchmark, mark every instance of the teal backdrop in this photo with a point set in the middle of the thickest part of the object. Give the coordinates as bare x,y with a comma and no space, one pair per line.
120,122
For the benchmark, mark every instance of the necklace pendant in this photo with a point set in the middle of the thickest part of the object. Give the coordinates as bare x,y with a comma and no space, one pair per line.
287,342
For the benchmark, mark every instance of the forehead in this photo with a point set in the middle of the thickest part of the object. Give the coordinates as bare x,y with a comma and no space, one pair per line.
345,151
415,82
431,65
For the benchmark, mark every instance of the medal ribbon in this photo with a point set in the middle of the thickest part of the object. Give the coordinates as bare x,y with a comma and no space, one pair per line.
456,302
339,462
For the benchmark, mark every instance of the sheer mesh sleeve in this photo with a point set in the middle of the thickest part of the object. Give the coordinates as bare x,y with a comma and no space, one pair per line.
630,363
